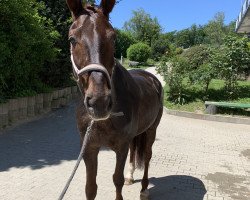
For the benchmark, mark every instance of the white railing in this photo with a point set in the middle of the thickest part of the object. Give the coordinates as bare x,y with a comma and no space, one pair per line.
244,9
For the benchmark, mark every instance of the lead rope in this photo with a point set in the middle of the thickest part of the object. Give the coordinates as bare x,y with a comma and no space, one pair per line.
85,141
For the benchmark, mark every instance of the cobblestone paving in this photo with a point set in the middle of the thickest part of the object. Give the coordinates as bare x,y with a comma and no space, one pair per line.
192,160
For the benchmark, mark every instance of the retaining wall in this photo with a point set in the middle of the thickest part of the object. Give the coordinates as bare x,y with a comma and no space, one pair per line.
19,109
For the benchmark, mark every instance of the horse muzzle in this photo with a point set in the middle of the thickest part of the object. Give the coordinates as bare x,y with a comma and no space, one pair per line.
98,104
98,108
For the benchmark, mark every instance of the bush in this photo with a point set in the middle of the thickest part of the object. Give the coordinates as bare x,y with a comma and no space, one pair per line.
139,52
175,72
26,44
196,55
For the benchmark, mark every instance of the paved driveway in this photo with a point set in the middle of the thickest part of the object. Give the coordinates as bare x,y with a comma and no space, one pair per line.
192,160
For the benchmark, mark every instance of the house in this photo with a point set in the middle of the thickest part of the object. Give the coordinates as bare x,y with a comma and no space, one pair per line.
243,21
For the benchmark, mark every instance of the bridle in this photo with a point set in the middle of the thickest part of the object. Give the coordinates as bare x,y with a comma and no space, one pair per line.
89,68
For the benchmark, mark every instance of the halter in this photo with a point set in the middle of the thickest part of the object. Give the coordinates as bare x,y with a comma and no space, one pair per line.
89,68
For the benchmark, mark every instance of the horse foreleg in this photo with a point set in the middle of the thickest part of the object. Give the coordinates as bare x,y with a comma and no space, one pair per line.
129,179
118,177
90,159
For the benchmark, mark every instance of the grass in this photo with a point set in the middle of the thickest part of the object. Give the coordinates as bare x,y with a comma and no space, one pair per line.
141,66
216,92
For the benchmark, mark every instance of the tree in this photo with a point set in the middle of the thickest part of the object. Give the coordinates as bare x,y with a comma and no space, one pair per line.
57,73
182,39
26,44
215,29
200,69
231,60
123,41
160,47
190,36
145,28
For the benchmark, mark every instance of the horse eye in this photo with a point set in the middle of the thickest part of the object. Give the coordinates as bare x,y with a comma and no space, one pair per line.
72,40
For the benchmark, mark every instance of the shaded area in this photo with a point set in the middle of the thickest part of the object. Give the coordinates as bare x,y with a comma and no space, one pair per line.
233,185
246,153
37,144
177,187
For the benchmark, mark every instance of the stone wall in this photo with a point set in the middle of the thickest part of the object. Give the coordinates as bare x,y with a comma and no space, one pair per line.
19,109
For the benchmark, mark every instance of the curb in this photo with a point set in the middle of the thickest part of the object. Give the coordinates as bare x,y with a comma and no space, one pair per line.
217,118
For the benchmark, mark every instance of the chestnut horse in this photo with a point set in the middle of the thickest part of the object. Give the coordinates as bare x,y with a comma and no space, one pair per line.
126,106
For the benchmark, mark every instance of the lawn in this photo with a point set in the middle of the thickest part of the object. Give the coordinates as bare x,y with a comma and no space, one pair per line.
195,98
141,66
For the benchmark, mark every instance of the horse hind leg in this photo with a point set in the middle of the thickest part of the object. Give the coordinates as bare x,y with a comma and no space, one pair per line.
144,195
137,147
150,138
129,178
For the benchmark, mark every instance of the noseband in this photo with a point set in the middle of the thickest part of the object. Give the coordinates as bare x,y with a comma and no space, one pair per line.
89,68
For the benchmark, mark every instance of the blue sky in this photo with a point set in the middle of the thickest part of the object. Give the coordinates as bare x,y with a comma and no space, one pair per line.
177,14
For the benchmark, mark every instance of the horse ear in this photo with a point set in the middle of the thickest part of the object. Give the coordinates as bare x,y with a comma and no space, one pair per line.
107,6
76,7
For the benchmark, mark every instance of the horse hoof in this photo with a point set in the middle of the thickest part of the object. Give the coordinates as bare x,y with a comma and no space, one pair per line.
144,195
129,181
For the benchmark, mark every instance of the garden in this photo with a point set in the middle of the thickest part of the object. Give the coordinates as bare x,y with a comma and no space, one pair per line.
201,63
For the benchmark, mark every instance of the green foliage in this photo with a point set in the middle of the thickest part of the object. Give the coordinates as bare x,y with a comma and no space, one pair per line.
26,44
200,69
215,30
189,37
144,28
232,59
171,52
57,73
160,47
178,51
139,52
174,74
196,55
123,41
216,92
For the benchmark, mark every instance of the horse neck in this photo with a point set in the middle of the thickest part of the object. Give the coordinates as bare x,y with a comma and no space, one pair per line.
123,85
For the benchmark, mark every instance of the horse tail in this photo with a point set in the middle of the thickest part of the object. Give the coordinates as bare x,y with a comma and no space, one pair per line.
139,148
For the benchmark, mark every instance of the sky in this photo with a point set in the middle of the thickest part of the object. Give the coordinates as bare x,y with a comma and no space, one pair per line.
177,14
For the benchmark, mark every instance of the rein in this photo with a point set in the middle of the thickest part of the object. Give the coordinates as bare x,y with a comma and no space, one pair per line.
85,141
77,74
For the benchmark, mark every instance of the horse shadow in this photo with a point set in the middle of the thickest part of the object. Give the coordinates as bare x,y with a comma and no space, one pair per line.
177,187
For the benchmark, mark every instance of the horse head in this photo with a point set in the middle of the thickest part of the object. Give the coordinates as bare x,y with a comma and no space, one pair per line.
92,41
